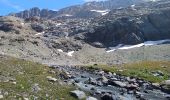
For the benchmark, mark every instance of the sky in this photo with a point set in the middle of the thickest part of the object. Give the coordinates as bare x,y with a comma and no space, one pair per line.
12,6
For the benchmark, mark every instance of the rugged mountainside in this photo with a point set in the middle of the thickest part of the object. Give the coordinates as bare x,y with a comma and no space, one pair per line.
87,10
132,25
74,40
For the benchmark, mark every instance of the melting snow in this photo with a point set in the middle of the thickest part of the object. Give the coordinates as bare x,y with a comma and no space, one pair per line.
70,53
147,43
60,50
40,33
103,12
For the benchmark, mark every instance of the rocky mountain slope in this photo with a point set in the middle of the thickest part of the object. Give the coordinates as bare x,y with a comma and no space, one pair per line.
132,25
86,10
74,40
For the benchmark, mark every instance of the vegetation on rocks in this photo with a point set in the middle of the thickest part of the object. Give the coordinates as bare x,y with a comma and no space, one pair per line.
154,71
20,79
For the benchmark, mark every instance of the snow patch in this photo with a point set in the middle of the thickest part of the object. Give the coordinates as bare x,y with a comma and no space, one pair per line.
147,43
58,24
103,12
22,24
70,53
67,15
59,50
39,33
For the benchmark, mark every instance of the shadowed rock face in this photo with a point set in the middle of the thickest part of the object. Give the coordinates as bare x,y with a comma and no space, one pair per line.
131,26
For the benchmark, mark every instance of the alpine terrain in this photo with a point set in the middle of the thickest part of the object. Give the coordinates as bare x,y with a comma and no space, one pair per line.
99,50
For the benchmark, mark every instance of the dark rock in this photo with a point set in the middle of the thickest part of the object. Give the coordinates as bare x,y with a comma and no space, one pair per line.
38,27
107,96
131,87
129,27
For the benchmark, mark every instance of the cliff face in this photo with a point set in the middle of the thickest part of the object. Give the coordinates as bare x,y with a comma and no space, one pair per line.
132,25
86,10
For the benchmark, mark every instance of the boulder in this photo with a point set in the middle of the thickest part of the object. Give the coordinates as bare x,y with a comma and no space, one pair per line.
131,86
51,79
107,96
91,81
38,27
36,88
91,98
117,83
78,94
1,96
165,86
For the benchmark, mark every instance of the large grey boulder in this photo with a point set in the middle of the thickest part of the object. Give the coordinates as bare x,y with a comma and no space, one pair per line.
78,94
117,83
165,85
91,98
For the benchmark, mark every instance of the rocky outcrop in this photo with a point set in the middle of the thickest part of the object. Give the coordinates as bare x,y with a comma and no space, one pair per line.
87,10
132,26
35,12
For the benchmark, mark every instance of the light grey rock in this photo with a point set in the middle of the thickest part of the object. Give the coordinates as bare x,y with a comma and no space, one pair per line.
91,98
36,88
78,94
1,96
50,78
117,83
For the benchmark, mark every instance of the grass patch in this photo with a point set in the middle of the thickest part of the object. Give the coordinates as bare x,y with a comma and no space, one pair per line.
142,70
26,74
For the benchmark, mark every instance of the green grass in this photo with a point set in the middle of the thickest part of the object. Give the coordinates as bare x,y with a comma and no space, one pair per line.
140,69
26,74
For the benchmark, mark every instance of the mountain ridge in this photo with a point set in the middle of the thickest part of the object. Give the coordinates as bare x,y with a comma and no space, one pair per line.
80,11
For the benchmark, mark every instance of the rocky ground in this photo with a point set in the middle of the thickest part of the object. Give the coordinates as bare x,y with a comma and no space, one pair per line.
25,80
139,73
20,79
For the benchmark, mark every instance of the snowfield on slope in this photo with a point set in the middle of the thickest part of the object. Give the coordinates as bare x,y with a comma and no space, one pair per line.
103,12
147,43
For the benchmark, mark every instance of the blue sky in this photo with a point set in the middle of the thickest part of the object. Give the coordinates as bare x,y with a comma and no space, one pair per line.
8,6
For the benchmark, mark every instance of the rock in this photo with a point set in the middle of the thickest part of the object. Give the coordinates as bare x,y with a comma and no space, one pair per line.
165,86
97,44
36,88
168,97
77,80
110,74
107,96
26,98
158,73
98,92
101,73
91,81
131,86
166,82
51,79
117,83
83,76
38,27
65,75
91,98
156,85
78,94
103,79
1,96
